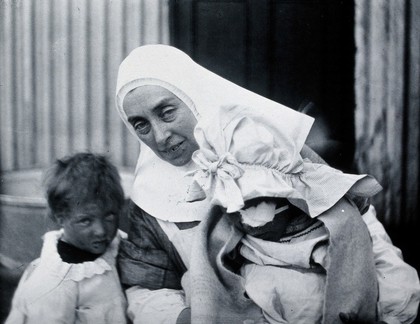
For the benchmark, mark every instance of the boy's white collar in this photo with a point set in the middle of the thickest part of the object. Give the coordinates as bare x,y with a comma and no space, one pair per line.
77,272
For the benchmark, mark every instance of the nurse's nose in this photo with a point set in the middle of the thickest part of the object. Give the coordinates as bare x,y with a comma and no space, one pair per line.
161,134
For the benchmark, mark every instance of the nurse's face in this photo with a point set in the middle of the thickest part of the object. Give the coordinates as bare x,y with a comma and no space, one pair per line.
163,122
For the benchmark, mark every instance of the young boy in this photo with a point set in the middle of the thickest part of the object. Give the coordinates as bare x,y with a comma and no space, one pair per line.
75,279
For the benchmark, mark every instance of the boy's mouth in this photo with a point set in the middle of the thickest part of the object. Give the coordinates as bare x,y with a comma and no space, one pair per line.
99,244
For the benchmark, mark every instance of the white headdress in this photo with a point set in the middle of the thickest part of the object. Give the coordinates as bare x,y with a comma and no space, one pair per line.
160,188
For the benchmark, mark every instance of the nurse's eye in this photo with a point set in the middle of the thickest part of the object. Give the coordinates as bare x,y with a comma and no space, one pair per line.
141,127
168,114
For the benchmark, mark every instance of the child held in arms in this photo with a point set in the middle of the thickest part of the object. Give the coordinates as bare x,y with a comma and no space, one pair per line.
75,279
306,254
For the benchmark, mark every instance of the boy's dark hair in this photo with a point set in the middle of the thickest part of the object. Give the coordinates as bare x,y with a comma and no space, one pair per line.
82,178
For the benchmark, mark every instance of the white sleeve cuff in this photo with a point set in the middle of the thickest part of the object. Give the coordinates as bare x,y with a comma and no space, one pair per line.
161,306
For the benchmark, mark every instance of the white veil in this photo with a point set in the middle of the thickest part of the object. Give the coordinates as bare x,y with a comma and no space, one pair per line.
160,188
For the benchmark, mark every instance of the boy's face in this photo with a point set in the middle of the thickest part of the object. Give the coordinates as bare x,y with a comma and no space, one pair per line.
90,227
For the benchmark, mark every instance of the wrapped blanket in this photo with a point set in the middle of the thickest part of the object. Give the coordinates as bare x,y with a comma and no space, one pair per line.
217,294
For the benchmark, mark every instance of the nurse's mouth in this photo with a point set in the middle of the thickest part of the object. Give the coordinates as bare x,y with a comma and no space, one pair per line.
175,147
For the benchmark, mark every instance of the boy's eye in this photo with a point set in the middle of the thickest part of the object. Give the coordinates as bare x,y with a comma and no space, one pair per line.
168,114
141,126
109,218
84,222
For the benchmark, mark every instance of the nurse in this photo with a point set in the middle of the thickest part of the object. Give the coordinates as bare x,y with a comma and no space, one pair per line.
161,94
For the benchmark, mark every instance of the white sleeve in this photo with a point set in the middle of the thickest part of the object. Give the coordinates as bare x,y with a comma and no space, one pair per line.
161,306
17,312
57,306
399,288
51,304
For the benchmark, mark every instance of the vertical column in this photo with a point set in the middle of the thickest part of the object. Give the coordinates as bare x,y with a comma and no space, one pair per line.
394,86
60,87
43,76
7,129
27,110
411,191
115,56
96,87
79,126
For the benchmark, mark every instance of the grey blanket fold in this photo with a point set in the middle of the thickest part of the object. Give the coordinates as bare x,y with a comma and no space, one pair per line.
351,276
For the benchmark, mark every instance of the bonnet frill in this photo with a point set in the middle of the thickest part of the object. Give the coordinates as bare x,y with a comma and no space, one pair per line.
242,157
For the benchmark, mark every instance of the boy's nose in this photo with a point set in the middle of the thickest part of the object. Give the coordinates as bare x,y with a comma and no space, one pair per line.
98,228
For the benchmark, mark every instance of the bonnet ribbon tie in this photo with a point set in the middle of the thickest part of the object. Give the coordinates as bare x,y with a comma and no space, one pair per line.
219,175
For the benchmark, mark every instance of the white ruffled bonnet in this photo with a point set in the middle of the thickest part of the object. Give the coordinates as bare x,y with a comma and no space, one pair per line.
243,156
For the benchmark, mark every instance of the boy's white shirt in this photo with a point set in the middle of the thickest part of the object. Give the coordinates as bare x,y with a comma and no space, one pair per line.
399,286
51,291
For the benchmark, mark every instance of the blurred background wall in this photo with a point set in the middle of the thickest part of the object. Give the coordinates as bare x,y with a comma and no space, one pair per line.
387,112
387,115
299,53
59,64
